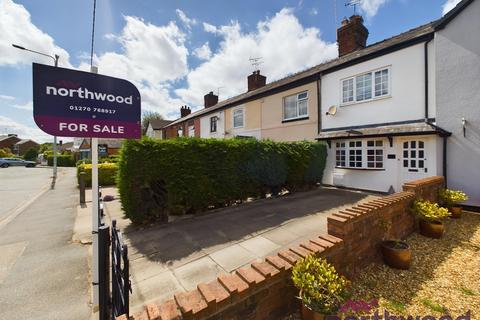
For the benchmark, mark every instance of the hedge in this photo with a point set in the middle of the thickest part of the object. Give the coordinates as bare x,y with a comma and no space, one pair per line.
188,175
63,160
107,174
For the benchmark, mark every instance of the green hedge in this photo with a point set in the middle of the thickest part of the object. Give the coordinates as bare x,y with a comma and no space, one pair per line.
107,174
187,175
63,160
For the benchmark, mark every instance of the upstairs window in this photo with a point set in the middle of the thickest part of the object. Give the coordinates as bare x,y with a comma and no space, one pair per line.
213,124
367,86
238,118
295,106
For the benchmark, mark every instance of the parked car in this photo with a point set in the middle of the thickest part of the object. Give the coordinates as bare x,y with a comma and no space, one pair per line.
7,162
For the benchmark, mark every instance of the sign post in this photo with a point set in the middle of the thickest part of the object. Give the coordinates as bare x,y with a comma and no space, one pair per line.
72,103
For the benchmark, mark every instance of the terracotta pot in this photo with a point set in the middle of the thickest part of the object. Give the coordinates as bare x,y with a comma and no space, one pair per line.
456,212
396,254
309,314
431,229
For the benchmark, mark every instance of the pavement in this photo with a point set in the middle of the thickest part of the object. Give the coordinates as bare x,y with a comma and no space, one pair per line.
43,275
165,259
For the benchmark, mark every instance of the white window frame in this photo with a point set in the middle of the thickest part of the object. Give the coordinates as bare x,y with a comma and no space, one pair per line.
242,109
191,131
298,116
373,96
362,151
213,120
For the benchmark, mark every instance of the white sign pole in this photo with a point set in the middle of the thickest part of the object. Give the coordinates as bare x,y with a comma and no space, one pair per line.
95,218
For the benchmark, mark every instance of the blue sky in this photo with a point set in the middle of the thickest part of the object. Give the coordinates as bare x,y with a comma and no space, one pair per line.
177,51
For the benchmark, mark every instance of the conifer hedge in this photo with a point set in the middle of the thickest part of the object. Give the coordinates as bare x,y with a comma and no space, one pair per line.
188,175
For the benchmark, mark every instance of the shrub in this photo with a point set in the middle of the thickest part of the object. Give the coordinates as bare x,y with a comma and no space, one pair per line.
187,175
429,211
31,155
107,174
6,153
451,197
322,289
63,160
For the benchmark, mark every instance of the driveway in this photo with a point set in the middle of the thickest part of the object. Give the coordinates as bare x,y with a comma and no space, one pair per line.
176,257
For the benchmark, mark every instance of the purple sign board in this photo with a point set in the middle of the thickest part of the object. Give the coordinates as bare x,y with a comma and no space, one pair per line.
71,103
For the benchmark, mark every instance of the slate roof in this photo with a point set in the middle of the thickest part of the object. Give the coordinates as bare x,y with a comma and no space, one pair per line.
25,140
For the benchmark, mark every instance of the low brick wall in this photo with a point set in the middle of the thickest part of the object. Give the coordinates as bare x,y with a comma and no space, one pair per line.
264,290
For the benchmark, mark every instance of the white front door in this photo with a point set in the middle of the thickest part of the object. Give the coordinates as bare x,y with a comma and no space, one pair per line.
413,160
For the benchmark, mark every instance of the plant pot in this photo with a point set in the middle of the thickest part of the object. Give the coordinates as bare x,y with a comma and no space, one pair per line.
396,254
431,229
456,212
309,314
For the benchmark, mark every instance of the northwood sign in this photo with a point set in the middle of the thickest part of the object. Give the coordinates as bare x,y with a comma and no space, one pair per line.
73,103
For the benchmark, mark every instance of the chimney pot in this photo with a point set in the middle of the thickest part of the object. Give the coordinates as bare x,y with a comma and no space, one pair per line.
185,111
256,80
210,99
352,35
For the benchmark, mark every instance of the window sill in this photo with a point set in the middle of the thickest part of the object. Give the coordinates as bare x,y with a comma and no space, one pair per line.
365,101
295,119
361,169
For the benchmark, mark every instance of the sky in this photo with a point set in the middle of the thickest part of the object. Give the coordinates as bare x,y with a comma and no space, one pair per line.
176,51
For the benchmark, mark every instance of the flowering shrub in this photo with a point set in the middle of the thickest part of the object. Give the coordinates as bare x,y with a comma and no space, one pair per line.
429,211
358,307
451,197
322,289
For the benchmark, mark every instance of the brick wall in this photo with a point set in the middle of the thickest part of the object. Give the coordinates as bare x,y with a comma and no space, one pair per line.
264,289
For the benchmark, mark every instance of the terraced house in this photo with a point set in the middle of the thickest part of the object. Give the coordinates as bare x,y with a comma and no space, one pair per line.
388,111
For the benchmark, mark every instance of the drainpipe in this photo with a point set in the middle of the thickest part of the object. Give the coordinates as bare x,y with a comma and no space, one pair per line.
445,137
426,76
319,102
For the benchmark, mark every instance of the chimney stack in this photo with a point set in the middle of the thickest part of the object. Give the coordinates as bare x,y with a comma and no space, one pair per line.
210,99
256,80
185,111
352,35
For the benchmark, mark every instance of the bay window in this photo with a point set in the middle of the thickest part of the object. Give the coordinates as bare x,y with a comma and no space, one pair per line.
359,154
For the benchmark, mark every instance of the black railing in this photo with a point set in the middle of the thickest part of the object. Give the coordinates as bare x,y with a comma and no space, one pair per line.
120,275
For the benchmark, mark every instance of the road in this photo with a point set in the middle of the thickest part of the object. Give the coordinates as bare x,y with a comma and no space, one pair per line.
42,274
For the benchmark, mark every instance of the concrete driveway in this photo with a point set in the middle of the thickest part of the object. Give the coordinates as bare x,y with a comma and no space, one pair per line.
176,257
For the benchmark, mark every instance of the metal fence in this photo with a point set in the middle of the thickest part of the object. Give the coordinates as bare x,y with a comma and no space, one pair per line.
121,286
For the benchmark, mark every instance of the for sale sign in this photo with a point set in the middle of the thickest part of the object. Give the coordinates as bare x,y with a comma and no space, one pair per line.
71,103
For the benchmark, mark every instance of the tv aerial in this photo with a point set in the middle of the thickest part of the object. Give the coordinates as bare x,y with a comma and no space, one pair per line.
255,62
354,4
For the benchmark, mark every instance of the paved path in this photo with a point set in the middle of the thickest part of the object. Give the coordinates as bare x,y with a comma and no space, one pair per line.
42,274
176,257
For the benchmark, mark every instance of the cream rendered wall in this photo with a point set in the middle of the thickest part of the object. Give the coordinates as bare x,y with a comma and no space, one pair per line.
272,116
205,125
252,120
407,91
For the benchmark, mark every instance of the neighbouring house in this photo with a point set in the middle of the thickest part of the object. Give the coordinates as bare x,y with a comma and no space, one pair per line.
9,141
22,146
397,110
155,128
106,147
66,146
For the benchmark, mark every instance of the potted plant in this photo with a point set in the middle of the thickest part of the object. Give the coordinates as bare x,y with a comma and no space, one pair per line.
430,215
396,253
322,289
450,198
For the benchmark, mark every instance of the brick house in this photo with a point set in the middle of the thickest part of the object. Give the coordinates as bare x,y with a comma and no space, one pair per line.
9,141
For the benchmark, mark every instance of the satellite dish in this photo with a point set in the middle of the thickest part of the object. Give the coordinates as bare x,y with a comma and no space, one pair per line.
332,111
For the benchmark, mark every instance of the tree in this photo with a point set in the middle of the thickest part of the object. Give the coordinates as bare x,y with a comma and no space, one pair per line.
31,155
45,147
6,153
147,117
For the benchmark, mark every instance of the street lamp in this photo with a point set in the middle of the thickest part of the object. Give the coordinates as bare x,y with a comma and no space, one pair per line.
55,59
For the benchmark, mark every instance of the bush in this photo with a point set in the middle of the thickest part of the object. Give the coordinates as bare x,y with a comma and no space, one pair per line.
107,174
187,175
451,197
31,155
63,160
6,153
429,211
322,289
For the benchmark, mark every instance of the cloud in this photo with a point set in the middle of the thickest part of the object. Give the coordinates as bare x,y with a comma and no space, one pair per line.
152,57
203,52
8,125
188,22
16,27
449,5
5,97
370,7
25,106
313,12
283,43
